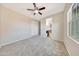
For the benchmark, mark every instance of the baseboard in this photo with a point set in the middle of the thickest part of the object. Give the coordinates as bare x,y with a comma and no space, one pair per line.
15,41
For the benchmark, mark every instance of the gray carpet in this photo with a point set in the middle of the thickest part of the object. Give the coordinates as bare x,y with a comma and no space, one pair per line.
35,46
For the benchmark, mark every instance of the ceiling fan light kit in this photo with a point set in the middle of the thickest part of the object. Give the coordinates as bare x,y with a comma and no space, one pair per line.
36,11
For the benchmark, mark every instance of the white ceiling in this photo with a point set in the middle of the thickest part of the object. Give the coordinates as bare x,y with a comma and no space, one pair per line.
51,8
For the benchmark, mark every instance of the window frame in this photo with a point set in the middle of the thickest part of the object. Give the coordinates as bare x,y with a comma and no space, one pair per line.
69,16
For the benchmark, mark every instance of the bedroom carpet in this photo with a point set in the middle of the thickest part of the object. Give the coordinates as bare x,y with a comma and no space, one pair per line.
35,46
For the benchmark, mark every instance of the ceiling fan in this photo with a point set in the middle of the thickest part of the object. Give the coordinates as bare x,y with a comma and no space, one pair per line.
36,9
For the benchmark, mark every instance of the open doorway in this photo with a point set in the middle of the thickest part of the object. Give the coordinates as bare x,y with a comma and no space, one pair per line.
49,27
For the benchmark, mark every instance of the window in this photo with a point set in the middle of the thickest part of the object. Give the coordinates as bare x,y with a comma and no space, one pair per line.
73,22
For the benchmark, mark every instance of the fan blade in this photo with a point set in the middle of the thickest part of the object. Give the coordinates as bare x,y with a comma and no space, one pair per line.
42,8
40,13
30,9
34,5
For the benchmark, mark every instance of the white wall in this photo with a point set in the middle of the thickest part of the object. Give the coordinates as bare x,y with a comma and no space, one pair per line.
58,24
0,23
43,28
34,28
56,31
15,26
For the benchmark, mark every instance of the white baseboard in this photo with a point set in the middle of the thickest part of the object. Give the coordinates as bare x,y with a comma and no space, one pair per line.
4,44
